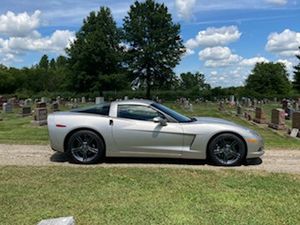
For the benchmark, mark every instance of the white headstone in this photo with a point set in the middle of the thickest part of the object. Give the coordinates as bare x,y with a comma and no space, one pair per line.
99,100
294,132
232,99
7,107
43,99
58,221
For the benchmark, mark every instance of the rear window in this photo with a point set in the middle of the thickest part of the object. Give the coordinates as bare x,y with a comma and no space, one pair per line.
100,109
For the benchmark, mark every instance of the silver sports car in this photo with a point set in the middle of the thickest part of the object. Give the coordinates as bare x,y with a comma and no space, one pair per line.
142,128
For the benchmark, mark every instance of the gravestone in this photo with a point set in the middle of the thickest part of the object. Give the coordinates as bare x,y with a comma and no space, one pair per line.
99,100
125,97
254,104
25,111
259,116
221,106
248,116
191,107
54,107
286,105
294,132
278,119
58,99
58,221
231,100
44,99
248,102
28,102
13,101
41,105
7,107
40,114
296,106
83,101
296,120
239,110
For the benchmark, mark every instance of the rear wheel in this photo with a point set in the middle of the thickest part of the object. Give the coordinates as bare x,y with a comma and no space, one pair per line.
85,147
227,150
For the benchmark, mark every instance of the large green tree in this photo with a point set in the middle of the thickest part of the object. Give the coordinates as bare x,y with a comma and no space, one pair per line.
96,52
154,43
296,82
269,79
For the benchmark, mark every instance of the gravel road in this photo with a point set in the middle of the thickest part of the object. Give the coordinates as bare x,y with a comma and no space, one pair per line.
282,161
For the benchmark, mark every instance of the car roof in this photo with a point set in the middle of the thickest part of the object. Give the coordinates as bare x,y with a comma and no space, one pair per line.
135,101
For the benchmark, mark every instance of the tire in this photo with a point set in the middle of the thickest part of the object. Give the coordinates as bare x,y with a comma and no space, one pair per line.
85,147
227,150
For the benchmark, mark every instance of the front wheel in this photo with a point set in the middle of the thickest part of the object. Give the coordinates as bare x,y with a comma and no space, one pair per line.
227,150
85,147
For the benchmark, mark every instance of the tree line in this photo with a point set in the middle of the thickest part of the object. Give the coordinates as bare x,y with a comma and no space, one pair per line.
140,55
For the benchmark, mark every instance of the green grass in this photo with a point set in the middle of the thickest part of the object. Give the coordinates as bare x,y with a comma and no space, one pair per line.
18,130
15,129
147,196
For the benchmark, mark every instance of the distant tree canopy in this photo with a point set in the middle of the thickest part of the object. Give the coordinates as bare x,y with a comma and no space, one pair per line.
296,83
154,43
192,81
269,79
95,56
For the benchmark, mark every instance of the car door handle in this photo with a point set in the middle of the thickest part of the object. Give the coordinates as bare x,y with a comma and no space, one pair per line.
111,122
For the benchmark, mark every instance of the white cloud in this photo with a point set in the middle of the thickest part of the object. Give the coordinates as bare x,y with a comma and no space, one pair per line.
214,73
57,42
277,2
214,37
288,64
23,37
185,8
218,57
253,61
19,25
285,43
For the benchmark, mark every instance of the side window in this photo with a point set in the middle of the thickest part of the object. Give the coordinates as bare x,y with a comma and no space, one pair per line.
137,112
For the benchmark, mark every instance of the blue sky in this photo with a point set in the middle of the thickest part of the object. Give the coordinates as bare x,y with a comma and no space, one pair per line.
224,39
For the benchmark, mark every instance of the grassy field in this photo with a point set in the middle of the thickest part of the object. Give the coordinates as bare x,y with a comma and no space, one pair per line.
147,196
18,130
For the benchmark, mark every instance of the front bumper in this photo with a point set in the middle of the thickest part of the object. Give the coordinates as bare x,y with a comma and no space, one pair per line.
256,149
255,154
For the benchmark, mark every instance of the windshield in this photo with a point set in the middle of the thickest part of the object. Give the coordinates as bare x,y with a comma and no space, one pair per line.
177,116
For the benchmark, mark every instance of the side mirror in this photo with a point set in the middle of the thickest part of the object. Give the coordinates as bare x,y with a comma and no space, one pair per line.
160,120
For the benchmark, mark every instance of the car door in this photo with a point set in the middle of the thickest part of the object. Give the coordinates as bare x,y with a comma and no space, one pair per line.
135,133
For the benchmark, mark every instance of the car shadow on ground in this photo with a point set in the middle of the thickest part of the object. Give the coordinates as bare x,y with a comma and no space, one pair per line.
60,157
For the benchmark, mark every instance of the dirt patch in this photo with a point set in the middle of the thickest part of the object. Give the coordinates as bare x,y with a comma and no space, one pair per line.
282,161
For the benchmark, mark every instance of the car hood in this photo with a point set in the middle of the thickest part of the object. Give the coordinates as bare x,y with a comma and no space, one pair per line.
211,120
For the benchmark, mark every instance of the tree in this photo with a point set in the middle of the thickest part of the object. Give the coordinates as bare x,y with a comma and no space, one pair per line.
269,79
52,64
155,45
296,82
193,81
44,62
95,52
